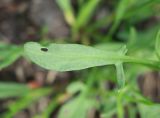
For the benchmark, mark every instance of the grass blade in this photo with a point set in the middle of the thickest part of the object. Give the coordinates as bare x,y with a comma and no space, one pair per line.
67,9
9,54
121,9
157,46
86,13
8,90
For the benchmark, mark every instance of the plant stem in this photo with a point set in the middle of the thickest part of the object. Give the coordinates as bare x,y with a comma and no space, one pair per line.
127,59
120,111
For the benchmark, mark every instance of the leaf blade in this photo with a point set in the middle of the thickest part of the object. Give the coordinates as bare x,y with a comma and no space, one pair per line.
9,54
67,57
8,90
86,13
157,45
67,9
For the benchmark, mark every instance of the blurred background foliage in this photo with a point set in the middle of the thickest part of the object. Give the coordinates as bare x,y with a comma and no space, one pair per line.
28,91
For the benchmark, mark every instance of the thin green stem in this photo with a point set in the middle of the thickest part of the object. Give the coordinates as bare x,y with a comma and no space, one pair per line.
120,111
127,59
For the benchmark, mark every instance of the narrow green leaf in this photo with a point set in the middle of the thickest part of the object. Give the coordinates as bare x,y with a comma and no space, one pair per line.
149,111
12,90
157,46
145,7
53,104
110,46
25,101
9,54
120,75
67,9
132,36
76,87
68,57
120,71
86,13
80,2
77,108
120,11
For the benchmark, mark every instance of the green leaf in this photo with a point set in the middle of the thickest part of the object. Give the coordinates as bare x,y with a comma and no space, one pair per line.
76,108
145,7
119,68
53,104
68,57
76,87
110,46
67,9
122,6
86,13
25,101
157,46
9,54
120,75
132,36
8,90
149,111
120,11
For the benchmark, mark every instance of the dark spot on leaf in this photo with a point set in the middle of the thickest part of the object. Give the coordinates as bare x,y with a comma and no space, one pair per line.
44,49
